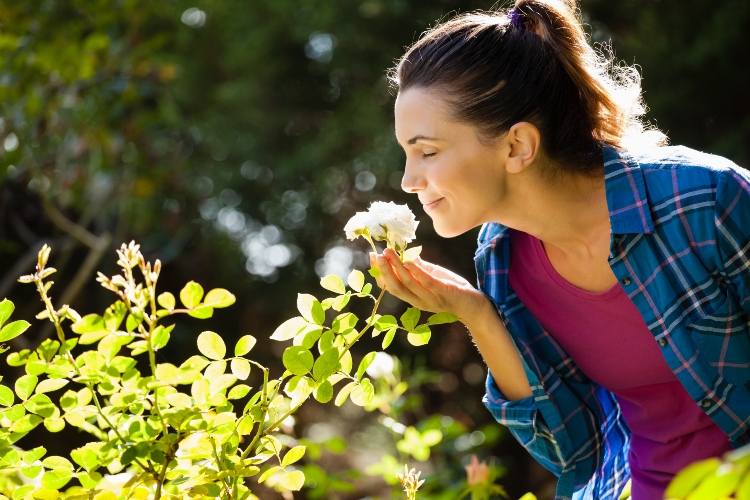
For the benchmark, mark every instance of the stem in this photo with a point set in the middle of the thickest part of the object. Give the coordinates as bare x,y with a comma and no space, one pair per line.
219,467
370,322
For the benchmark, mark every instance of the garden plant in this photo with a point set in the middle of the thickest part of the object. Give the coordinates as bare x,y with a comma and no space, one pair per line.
151,440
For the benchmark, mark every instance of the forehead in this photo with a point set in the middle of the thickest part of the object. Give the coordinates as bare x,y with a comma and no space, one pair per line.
418,111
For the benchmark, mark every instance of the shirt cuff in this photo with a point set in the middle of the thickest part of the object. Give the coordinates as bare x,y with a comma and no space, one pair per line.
518,413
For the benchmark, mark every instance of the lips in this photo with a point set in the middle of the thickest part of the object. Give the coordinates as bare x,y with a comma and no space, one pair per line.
432,204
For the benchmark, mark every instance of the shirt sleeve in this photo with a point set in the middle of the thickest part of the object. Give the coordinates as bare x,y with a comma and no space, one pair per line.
732,213
524,421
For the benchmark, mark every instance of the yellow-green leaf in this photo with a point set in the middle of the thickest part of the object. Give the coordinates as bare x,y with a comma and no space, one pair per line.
219,297
293,481
293,455
333,283
244,345
289,328
241,368
166,300
356,280
191,294
211,345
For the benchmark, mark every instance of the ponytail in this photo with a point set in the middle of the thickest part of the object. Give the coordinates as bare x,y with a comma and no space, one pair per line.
495,69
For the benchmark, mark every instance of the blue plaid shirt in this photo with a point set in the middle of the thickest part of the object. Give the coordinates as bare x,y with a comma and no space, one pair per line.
680,246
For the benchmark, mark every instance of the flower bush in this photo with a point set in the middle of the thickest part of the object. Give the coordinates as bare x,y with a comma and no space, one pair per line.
196,429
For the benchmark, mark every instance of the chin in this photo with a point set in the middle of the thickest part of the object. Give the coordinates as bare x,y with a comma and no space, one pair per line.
448,230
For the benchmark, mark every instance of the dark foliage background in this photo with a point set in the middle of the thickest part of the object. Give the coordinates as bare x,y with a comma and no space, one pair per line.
233,140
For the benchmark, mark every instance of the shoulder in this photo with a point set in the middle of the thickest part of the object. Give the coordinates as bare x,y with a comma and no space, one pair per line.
679,170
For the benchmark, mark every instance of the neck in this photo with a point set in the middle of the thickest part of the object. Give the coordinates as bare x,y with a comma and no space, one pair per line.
569,213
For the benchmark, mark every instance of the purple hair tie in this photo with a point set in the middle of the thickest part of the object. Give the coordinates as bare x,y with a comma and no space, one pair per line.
516,19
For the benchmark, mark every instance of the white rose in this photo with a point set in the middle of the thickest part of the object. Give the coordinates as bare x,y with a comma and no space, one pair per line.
386,221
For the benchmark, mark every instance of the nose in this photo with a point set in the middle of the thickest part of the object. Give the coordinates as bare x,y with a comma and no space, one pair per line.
413,181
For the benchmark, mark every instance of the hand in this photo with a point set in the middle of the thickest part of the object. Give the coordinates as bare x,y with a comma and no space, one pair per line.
428,287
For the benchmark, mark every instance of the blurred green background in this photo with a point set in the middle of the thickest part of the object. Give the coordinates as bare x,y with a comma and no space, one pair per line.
233,140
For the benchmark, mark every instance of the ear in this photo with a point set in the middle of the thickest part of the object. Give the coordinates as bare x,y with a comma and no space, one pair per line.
524,141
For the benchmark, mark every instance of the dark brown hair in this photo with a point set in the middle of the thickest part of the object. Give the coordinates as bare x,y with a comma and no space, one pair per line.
494,73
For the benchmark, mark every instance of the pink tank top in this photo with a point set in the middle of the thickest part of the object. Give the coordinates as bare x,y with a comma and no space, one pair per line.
607,338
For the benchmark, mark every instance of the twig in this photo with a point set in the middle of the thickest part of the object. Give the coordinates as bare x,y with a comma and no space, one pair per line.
79,280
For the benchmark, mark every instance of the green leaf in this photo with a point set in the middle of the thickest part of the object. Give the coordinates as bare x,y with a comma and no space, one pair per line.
26,423
34,454
244,345
219,298
6,396
89,481
42,405
356,280
239,391
411,253
333,284
201,312
685,482
56,479
431,437
13,330
268,473
326,364
340,302
86,456
310,308
363,393
191,295
46,494
25,386
718,485
211,345
308,336
240,368
32,471
289,328
51,384
344,393
160,338
344,323
364,364
324,392
292,456
441,318
420,336
374,271
293,481
166,300
384,323
54,424
410,318
297,360
6,309
389,337
367,288
23,491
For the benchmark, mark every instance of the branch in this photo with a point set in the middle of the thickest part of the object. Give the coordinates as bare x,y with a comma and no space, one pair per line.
66,225
86,270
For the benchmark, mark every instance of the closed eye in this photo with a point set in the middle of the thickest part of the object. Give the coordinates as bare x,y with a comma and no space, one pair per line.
427,155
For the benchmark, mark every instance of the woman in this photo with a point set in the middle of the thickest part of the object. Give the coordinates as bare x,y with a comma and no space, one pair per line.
613,308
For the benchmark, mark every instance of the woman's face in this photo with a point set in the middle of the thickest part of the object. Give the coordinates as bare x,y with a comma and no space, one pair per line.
460,181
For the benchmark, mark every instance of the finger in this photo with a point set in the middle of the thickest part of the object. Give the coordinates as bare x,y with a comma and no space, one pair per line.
392,282
373,263
412,283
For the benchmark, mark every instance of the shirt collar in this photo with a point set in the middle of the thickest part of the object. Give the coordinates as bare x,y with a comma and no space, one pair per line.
626,193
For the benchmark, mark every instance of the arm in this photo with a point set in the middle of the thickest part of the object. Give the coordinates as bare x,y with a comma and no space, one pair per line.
432,288
591,416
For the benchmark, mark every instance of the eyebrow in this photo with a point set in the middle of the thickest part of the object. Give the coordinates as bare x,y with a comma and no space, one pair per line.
416,138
